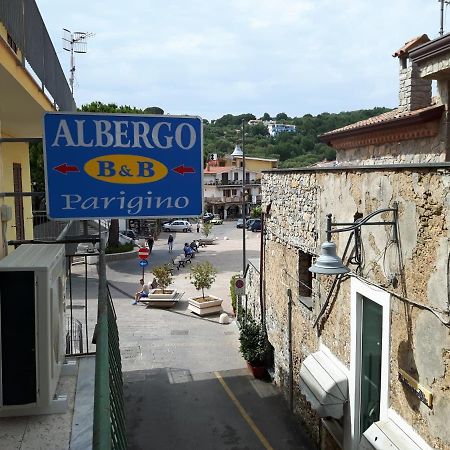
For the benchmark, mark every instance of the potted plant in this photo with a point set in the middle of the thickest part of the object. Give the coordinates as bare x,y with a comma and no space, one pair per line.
161,294
202,277
254,345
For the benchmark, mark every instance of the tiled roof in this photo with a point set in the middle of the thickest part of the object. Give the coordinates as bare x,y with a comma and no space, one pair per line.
390,117
213,169
412,43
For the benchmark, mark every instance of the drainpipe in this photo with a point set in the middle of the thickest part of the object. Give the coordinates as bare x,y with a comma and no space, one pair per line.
291,370
262,291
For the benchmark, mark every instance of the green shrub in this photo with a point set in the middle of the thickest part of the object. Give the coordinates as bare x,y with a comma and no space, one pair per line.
254,344
128,247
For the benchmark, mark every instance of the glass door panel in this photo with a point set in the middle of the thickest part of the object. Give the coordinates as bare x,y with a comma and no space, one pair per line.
371,349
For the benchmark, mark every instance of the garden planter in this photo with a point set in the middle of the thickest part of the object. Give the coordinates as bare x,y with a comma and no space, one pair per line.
159,294
259,372
205,306
158,299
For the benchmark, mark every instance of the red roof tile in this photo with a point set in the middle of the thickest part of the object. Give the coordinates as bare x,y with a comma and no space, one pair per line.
213,169
389,117
410,45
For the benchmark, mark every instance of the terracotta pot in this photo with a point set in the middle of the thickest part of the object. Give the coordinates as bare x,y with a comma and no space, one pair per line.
259,372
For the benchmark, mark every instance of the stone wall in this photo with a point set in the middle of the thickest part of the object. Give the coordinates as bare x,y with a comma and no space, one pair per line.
410,151
252,289
414,92
414,272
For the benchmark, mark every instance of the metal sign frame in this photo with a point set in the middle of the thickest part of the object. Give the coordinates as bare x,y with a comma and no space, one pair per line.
122,165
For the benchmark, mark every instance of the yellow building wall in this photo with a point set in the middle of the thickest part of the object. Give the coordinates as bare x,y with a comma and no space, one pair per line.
256,165
10,154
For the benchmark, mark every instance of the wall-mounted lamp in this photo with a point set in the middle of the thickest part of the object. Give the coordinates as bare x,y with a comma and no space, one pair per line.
328,262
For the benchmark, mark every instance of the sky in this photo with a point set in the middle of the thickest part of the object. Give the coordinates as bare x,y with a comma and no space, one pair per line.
211,58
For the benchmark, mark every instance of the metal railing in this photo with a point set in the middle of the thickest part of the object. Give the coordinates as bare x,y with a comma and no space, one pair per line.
109,416
24,24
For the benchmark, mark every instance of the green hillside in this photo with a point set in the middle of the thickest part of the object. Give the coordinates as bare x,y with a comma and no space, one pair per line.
298,149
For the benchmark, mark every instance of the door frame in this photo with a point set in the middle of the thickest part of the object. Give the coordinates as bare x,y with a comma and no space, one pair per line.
360,289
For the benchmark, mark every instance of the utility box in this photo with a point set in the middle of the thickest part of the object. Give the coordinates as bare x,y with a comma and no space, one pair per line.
32,307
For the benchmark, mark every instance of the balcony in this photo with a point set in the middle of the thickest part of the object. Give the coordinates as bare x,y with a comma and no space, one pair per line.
229,183
28,46
223,200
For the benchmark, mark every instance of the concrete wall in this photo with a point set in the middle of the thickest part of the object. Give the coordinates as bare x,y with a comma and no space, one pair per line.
419,343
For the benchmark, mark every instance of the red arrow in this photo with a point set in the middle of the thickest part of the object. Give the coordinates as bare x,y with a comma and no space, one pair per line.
64,168
183,169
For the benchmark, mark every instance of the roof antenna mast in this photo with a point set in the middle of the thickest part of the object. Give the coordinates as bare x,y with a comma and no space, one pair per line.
74,43
442,2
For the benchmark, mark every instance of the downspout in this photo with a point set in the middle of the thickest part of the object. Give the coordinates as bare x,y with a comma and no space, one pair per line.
262,286
291,369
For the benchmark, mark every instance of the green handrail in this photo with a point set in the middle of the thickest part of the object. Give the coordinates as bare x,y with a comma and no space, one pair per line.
109,416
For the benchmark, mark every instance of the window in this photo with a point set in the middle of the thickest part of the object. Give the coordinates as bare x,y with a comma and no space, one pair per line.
369,361
305,279
370,376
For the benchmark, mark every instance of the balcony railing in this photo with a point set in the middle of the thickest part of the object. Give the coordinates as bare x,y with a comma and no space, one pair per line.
24,24
231,182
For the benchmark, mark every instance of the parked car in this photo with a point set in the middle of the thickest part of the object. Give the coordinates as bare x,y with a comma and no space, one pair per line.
240,223
256,225
207,217
249,223
216,221
130,233
178,225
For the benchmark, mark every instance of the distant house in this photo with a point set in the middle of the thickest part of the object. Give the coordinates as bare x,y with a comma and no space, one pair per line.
363,357
23,103
276,128
223,183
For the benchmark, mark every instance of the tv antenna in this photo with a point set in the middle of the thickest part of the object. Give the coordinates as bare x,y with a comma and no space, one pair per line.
74,43
442,2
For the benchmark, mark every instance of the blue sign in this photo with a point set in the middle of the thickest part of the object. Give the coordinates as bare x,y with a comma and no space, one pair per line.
143,263
129,166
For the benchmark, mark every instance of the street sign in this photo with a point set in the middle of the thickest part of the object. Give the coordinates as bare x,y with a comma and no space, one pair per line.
143,253
143,263
239,286
118,165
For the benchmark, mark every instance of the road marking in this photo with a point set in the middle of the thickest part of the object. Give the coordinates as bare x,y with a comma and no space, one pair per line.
244,414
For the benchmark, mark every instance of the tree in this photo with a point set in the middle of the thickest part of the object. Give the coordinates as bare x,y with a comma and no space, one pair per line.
154,110
207,227
163,276
203,276
281,116
266,116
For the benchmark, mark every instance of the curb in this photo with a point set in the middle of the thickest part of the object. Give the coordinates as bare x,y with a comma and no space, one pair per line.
120,256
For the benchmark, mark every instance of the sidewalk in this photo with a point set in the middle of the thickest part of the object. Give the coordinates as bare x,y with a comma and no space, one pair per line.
186,384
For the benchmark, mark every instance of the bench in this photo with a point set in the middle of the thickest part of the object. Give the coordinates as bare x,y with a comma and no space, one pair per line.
205,242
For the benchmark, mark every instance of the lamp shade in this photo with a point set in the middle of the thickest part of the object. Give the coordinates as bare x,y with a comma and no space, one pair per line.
328,262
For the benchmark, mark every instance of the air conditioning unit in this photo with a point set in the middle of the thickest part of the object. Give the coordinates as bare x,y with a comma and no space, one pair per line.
32,306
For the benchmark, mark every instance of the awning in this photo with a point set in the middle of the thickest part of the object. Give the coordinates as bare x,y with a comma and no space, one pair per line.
324,385
386,435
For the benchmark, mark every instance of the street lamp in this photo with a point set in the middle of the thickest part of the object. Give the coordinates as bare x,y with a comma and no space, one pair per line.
328,262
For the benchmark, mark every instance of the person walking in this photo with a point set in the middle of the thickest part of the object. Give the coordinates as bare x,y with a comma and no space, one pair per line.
198,226
170,243
150,242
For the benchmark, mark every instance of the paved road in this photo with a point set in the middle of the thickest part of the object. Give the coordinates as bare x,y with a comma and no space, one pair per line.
186,384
